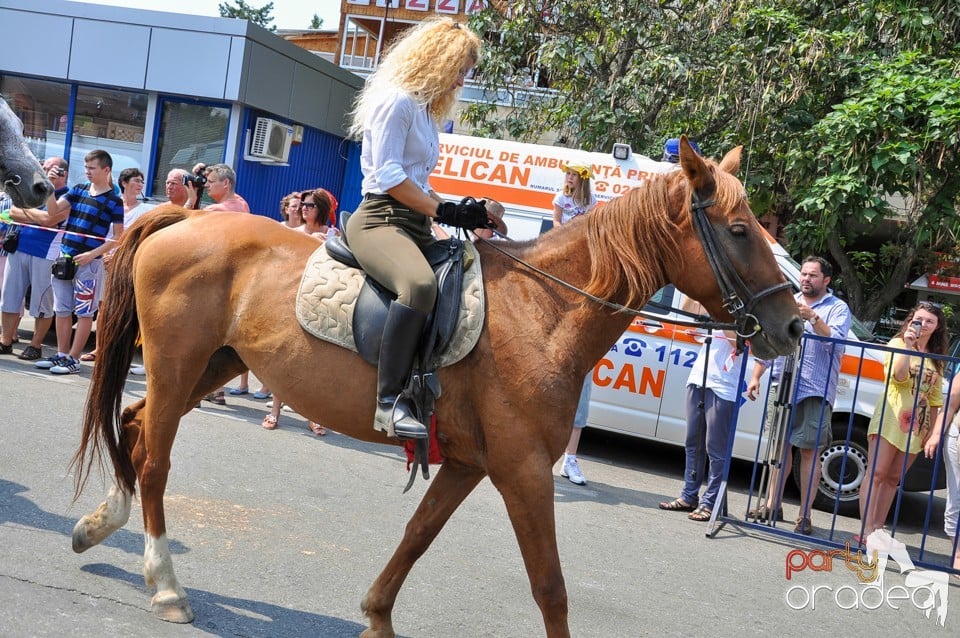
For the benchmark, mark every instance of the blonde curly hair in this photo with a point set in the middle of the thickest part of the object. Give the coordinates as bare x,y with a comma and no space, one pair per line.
425,62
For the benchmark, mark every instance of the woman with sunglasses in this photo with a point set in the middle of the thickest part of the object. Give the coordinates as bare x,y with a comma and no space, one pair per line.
905,421
318,208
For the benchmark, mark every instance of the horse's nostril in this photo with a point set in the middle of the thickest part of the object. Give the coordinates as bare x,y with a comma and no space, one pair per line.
796,328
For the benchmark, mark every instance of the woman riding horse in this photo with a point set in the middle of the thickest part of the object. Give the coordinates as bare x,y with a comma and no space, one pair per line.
410,94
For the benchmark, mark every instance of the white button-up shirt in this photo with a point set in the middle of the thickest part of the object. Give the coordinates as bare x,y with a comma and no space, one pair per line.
400,140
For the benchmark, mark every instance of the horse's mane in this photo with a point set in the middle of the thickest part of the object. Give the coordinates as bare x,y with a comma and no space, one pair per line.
631,239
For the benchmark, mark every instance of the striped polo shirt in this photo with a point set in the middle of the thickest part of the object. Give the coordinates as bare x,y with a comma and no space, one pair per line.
90,219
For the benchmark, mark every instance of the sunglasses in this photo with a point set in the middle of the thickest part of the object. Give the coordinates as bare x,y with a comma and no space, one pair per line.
308,205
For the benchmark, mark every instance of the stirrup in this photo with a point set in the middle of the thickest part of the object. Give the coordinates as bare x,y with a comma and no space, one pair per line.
401,418
409,429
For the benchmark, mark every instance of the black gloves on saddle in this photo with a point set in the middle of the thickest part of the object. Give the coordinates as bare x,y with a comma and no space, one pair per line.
469,214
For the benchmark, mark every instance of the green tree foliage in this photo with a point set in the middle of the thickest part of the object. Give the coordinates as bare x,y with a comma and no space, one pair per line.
316,22
850,111
242,11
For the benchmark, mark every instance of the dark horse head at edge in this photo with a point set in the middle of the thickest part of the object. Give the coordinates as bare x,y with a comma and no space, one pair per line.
21,175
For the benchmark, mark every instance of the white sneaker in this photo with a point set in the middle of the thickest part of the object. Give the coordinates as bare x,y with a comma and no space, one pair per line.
66,365
138,370
571,471
49,362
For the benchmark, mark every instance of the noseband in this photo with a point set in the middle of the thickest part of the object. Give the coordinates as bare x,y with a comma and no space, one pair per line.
732,288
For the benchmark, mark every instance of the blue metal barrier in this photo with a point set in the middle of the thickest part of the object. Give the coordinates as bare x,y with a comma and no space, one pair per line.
931,549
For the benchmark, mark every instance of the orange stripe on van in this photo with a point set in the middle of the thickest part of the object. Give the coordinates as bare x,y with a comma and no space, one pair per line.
870,369
506,195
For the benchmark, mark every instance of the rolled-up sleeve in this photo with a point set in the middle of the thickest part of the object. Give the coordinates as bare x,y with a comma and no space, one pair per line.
388,130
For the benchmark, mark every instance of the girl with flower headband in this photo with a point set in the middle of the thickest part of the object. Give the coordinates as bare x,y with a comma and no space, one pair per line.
576,197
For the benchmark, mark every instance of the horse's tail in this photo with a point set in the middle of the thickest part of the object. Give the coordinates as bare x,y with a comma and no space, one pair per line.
118,329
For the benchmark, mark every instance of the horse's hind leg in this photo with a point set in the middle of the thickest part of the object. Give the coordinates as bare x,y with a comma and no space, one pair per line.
114,512
94,528
451,485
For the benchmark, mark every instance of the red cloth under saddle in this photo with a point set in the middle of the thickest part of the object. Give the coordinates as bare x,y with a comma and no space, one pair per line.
433,455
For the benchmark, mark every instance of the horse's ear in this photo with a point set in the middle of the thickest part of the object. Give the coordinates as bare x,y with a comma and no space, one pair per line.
731,161
694,168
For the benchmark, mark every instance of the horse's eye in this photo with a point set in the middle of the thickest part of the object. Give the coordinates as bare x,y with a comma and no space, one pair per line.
738,229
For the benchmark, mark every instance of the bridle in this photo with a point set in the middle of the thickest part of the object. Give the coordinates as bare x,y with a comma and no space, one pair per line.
736,296
732,288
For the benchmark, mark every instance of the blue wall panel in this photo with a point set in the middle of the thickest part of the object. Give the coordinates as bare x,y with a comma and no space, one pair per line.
352,178
320,160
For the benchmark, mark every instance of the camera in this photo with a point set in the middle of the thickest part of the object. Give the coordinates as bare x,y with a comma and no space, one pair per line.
198,181
916,323
58,171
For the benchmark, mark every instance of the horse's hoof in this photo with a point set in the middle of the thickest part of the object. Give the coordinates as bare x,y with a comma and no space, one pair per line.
176,611
378,633
81,542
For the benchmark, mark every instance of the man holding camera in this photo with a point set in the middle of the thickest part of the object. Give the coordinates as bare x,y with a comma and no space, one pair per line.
91,210
818,370
175,188
29,267
221,182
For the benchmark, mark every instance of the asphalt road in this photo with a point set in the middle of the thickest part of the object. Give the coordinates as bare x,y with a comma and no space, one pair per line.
280,534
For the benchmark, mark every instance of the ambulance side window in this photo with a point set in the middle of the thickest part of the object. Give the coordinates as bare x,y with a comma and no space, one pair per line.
662,301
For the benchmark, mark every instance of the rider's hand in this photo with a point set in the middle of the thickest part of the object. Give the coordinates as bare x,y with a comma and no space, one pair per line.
469,214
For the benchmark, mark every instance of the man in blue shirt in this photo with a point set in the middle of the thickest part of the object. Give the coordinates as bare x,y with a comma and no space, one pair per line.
91,210
817,373
29,267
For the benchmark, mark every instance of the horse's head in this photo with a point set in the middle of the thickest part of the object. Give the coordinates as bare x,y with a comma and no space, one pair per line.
720,235
21,175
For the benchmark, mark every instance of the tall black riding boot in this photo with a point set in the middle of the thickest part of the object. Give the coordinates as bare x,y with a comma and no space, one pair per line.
401,339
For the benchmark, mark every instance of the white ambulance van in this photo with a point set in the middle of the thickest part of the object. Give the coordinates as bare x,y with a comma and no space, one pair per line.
640,385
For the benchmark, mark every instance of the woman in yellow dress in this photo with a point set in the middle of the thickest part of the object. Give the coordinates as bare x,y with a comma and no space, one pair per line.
905,417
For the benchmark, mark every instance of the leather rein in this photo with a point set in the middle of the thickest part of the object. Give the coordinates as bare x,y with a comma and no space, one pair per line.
732,288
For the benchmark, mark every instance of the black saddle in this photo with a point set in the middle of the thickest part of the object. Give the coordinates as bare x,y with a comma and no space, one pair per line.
370,314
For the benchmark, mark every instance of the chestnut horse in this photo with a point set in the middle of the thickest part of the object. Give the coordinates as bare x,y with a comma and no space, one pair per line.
21,175
190,284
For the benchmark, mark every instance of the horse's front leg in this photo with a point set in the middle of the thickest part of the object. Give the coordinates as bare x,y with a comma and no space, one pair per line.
526,484
451,485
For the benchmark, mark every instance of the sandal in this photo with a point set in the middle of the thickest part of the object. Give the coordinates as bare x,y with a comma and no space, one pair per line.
676,505
317,429
239,391
701,514
90,356
269,422
761,514
216,398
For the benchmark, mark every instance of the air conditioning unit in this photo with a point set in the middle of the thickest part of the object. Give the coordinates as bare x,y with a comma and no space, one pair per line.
271,140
